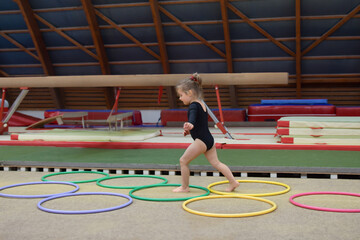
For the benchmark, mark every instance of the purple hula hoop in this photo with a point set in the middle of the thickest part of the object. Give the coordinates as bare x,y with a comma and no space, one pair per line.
322,208
84,211
37,196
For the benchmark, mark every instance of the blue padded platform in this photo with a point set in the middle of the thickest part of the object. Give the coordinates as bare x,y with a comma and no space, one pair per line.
294,102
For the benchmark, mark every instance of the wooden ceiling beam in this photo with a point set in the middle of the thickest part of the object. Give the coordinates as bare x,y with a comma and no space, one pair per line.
154,5
160,35
259,29
227,39
192,32
96,36
67,37
120,5
100,48
298,57
333,29
186,2
126,34
3,73
20,46
30,20
36,36
228,51
187,43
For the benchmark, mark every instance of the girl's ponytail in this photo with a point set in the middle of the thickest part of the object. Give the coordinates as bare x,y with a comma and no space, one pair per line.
196,78
192,83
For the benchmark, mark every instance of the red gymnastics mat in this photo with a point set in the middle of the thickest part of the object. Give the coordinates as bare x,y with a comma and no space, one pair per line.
258,113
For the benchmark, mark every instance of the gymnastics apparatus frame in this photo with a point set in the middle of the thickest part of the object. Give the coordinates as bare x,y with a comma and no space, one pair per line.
24,83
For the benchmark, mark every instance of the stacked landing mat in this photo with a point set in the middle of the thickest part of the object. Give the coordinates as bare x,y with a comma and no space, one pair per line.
319,130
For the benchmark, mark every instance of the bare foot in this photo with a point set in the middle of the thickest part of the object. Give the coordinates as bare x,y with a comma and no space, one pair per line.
233,186
181,189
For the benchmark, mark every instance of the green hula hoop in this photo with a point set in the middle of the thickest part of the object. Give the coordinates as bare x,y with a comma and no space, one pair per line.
127,176
287,188
231,215
167,199
83,181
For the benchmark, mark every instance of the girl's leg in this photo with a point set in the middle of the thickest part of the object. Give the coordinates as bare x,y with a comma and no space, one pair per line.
192,152
213,159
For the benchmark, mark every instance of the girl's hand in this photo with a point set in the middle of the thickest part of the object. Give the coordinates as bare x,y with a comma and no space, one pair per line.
188,126
186,132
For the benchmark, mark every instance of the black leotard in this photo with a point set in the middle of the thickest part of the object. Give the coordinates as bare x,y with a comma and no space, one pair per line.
199,118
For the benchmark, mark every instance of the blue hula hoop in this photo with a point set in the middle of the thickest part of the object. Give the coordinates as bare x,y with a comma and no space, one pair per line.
84,211
37,196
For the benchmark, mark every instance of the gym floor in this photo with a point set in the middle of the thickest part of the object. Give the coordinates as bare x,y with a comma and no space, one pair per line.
168,220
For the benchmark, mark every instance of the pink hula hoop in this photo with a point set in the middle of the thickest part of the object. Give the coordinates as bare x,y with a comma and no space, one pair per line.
322,208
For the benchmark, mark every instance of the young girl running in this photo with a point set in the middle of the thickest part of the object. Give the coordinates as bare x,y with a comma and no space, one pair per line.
190,93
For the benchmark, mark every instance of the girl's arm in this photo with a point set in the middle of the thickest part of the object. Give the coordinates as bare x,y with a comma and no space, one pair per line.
192,112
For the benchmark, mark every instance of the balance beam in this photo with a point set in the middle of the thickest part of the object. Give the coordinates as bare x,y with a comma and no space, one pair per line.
143,80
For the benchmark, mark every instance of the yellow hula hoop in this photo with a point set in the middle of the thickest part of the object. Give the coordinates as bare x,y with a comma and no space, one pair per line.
287,188
233,215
